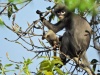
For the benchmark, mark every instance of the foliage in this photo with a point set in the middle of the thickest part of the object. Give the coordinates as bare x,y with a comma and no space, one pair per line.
4,68
26,66
49,65
88,6
11,9
93,62
1,21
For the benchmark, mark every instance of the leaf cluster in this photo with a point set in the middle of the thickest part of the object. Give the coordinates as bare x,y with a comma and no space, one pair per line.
4,68
81,5
11,9
50,67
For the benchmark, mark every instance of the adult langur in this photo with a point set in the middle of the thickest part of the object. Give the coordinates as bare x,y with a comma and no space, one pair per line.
76,39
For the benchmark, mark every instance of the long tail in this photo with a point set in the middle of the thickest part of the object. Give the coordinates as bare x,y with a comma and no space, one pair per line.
86,63
85,60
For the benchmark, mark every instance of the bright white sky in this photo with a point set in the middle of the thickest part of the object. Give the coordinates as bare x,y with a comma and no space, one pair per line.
17,52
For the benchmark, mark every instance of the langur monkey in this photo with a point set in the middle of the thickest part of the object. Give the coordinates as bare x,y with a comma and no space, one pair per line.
52,38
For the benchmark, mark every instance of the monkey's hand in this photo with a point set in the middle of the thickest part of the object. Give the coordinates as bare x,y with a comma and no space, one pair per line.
39,12
42,18
41,15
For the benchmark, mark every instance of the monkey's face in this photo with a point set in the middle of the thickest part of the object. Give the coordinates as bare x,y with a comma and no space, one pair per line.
61,14
61,11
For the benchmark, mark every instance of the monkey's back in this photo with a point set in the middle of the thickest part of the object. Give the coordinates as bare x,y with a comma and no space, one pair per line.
82,33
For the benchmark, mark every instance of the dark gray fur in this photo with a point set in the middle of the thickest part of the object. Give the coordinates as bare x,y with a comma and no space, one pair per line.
75,41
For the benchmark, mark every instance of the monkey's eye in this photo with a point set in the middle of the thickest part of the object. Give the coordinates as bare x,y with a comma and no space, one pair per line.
63,12
58,11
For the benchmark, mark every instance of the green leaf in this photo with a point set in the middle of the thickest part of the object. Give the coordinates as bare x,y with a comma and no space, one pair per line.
10,1
0,64
45,65
29,61
8,65
55,57
39,73
94,61
58,71
15,7
42,57
72,4
1,21
94,67
10,11
57,62
48,73
52,16
17,66
82,5
58,1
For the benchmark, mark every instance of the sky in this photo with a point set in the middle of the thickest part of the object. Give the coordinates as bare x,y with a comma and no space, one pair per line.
15,51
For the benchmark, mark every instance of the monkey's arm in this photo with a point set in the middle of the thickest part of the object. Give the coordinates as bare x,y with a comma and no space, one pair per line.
54,27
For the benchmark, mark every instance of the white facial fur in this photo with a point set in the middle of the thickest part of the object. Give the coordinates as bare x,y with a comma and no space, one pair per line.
61,15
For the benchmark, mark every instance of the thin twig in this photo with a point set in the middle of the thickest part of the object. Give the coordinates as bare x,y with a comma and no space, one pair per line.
12,60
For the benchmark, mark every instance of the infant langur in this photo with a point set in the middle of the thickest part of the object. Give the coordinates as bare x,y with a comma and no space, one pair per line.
51,37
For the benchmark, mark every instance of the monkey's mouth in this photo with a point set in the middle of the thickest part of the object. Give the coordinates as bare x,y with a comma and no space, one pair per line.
61,17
